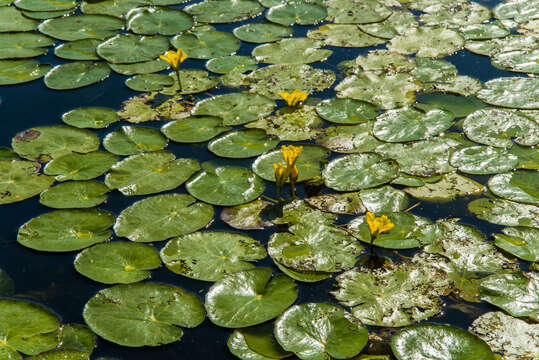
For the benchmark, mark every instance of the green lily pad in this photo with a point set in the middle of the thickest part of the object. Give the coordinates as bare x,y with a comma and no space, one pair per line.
426,41
260,339
411,180
158,20
194,129
504,212
246,216
410,231
90,117
259,33
129,48
349,138
529,28
77,27
407,124
144,314
23,45
431,70
346,111
524,61
301,13
270,80
384,199
345,203
497,329
77,337
44,15
238,346
249,297
208,44
145,67
522,242
235,108
116,8
516,92
387,91
193,82
49,142
528,157
359,171
45,5
483,160
225,185
21,71
149,82
448,188
459,105
80,166
421,158
83,49
314,246
162,217
291,51
420,342
343,35
209,256
150,173
117,262
385,61
224,11
397,23
74,194
226,64
309,163
410,292
330,332
76,74
241,144
21,180
521,186
11,20
520,11
450,16
66,230
130,140
354,12
485,31
516,293
499,128
303,276
28,328
505,44
291,124
298,211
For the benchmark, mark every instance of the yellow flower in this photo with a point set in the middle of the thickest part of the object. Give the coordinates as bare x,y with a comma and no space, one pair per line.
378,225
174,58
293,174
280,174
293,99
290,155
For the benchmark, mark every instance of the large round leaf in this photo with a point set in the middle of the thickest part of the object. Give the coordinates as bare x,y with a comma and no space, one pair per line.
341,203
117,8
320,331
521,186
206,44
144,67
74,194
261,32
432,42
149,82
208,256
77,27
12,20
233,63
512,92
23,45
76,74
150,173
130,140
21,180
78,338
504,212
21,71
66,230
192,81
225,185
361,171
354,12
523,242
483,160
346,111
26,327
83,49
146,314
297,12
44,143
162,217
309,163
384,199
249,297
291,51
158,20
518,61
129,48
194,129
242,143
246,216
117,262
80,166
447,188
343,35
90,117
421,342
349,138
224,11
45,5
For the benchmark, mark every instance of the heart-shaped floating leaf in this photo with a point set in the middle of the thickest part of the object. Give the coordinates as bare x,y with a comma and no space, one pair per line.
521,186
208,256
346,111
74,194
345,203
349,138
23,45
90,117
80,166
76,74
449,187
77,27
45,5
206,43
291,51
353,12
261,32
512,92
504,212
144,314
117,262
21,71
194,129
158,20
249,297
77,337
243,143
302,13
523,242
428,41
66,230
233,63
344,35
21,180
246,216
11,20
130,140
129,48
224,11
83,49
384,199
317,331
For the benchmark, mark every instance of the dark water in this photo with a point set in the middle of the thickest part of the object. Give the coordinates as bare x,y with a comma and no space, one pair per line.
51,279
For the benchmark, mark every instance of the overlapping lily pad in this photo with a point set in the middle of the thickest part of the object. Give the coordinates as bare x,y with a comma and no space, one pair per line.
354,12
301,13
242,143
206,43
77,337
291,51
343,35
149,82
192,82
45,5
117,8
224,11
246,216
523,242
74,194
80,166
520,11
521,186
346,111
23,45
397,23
449,187
145,314
384,199
249,297
343,203
77,27
21,180
450,16
90,117
226,64
129,48
76,74
162,217
145,67
518,61
83,49
261,32
349,138
158,20
517,92
426,41
21,71
483,160
66,230
209,256
12,20
504,212
150,173
130,140
117,262
194,129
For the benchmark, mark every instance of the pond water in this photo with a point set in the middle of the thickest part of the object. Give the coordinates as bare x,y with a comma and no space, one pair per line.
50,279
